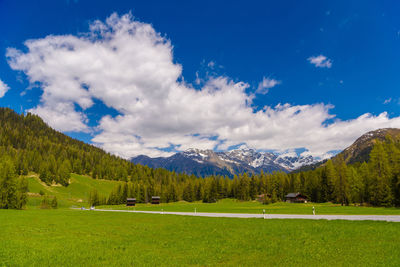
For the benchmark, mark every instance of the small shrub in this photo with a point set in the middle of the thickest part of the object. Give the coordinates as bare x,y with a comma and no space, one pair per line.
54,203
267,200
45,203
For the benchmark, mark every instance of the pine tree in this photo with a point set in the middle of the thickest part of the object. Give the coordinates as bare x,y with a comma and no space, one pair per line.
94,198
356,185
328,180
381,194
64,173
341,185
188,193
22,189
54,203
8,185
45,204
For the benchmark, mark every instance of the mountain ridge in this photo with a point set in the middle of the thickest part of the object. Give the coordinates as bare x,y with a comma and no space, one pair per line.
359,151
208,162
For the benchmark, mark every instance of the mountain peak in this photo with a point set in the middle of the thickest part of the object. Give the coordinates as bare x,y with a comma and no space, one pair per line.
207,162
360,149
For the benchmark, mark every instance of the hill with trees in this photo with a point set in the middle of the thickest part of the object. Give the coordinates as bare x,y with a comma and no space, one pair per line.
360,150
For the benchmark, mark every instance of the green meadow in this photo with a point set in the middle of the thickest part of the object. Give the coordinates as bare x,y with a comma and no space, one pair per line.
66,237
75,194
93,238
236,206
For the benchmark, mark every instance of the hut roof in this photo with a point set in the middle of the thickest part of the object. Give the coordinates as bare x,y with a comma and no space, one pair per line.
293,194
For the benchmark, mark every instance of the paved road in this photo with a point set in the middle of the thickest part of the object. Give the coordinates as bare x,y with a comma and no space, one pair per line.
389,218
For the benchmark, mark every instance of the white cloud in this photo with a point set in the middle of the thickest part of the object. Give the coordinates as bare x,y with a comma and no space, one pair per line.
320,61
3,88
211,64
266,84
128,66
387,101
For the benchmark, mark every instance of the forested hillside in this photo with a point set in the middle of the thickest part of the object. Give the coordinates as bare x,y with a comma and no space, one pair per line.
34,146
27,144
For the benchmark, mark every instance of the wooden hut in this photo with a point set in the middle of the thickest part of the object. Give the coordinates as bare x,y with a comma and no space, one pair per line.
263,197
130,202
155,200
296,198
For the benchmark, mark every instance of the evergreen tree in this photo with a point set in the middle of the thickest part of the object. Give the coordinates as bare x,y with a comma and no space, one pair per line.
356,185
45,204
22,190
341,185
94,199
381,193
188,193
8,185
54,203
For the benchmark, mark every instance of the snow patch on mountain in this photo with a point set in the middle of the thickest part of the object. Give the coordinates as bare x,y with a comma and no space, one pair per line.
209,162
287,161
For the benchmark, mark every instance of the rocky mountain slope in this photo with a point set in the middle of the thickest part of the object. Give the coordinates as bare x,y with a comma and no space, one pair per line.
359,151
207,162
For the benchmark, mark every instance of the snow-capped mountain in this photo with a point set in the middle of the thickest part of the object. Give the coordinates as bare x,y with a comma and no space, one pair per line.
208,162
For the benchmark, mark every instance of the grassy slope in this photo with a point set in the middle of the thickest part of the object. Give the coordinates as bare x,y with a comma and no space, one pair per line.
76,193
88,238
234,206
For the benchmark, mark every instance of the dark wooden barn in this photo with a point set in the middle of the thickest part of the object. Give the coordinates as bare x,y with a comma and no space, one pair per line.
155,200
296,198
130,202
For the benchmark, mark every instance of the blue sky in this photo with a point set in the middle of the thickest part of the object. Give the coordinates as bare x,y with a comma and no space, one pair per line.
270,46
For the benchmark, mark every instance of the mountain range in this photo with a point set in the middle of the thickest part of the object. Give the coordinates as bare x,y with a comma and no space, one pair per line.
208,162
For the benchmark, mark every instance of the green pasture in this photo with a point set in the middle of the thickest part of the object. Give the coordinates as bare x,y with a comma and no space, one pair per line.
75,194
93,238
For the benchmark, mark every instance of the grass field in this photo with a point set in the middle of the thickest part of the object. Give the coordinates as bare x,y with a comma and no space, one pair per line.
235,206
76,193
92,238
64,237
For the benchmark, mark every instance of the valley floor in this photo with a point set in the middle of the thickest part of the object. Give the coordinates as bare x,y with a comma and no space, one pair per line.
74,238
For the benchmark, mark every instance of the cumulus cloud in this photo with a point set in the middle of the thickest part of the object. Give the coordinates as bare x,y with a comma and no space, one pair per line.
129,67
320,61
266,84
3,88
